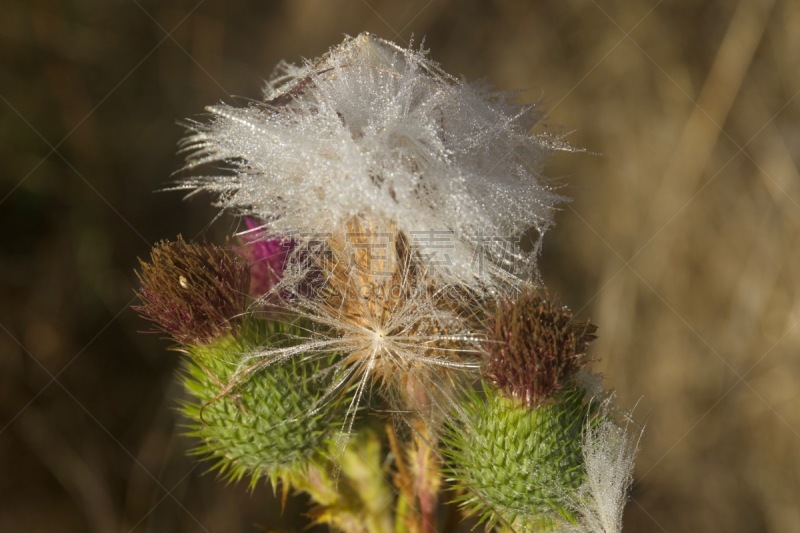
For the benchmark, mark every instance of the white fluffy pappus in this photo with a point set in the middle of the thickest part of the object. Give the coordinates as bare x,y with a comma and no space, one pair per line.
375,130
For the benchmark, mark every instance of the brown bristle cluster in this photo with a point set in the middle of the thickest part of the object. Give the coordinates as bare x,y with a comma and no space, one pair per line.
535,347
194,292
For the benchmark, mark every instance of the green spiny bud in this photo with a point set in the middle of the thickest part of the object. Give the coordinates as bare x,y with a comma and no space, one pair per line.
274,421
518,466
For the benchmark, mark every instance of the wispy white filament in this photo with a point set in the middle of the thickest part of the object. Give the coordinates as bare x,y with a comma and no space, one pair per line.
375,130
609,455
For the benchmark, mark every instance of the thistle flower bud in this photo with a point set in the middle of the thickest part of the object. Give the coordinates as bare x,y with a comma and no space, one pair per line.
534,347
194,292
274,422
518,466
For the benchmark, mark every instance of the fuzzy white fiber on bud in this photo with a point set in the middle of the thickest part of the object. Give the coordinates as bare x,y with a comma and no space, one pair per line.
609,455
375,130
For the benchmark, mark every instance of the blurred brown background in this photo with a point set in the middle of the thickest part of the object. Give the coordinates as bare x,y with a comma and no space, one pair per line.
682,242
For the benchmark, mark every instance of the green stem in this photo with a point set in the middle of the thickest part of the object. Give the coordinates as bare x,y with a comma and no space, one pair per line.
360,500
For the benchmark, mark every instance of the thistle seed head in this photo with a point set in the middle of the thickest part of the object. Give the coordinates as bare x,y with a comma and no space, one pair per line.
535,347
396,325
194,292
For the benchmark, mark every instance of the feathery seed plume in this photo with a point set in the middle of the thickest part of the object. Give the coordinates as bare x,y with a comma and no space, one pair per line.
373,129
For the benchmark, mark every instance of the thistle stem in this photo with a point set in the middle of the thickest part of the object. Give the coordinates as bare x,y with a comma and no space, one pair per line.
403,482
427,469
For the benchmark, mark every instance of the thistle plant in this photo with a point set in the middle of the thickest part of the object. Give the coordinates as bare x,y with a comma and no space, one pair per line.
377,338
